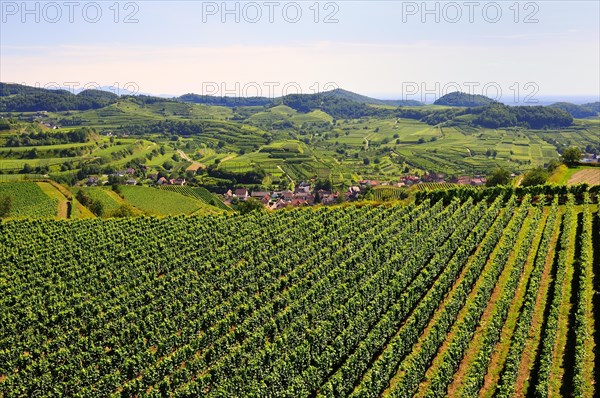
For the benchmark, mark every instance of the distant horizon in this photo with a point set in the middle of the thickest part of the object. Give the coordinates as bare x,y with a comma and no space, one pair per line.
542,99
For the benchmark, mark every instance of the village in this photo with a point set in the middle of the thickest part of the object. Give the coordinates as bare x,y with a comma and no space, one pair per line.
303,194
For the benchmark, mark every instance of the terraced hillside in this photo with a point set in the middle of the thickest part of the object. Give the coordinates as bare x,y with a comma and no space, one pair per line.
275,144
469,299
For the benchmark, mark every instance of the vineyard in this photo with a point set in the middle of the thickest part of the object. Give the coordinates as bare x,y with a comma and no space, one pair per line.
435,185
199,193
28,200
469,298
385,193
161,202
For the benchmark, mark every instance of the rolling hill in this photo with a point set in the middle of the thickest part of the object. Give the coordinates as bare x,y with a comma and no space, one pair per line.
349,95
19,98
458,98
578,111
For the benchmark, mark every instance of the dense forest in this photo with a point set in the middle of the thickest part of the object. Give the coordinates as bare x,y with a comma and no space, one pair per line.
535,117
494,116
225,101
182,128
579,111
463,99
17,98
264,101
349,95
79,135
339,108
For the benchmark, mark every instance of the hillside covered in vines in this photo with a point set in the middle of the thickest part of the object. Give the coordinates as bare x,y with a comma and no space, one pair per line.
468,298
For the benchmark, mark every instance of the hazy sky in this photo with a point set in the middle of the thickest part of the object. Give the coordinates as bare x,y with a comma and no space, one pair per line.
379,48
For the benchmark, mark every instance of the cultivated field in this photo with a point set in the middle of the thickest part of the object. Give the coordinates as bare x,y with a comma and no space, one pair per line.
589,176
468,299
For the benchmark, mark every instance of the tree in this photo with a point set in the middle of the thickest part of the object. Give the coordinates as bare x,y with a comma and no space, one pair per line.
367,193
248,205
498,177
27,168
83,198
537,176
124,210
553,165
32,154
117,189
97,207
5,205
317,197
571,156
4,124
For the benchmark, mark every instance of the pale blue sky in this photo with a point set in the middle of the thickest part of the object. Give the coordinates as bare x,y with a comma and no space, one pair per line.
380,48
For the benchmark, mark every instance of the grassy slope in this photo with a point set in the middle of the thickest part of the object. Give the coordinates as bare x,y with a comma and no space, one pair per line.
80,211
55,194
